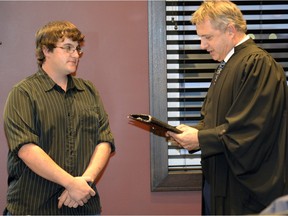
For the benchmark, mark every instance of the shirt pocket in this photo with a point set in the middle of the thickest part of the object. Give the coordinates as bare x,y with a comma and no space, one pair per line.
89,121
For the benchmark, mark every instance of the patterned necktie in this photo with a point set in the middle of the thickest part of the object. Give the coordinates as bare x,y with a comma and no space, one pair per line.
218,71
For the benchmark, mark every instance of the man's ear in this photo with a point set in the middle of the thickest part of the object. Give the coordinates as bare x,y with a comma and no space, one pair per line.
45,50
231,29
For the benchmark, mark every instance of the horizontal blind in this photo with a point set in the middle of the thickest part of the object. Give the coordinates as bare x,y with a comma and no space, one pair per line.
190,69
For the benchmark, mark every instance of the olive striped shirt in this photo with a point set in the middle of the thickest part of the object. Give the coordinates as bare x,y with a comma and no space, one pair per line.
66,125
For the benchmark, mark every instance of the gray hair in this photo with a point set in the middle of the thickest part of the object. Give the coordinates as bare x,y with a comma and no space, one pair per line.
221,13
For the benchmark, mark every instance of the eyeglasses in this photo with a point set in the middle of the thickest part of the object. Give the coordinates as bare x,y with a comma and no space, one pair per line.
71,49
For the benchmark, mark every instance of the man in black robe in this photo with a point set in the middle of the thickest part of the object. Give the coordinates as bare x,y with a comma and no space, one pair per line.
243,131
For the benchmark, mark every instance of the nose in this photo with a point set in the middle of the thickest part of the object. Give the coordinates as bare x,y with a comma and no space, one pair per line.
76,54
203,44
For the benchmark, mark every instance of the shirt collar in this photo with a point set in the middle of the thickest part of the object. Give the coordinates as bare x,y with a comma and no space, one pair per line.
233,49
49,84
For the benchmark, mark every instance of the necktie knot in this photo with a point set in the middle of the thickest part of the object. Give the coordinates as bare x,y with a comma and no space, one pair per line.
218,70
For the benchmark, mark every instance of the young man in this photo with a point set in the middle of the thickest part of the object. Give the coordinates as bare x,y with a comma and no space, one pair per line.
57,131
243,131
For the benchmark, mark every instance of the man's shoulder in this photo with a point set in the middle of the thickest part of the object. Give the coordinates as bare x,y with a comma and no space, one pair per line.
249,48
34,83
27,81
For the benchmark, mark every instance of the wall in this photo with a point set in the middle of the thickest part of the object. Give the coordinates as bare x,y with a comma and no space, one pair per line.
116,60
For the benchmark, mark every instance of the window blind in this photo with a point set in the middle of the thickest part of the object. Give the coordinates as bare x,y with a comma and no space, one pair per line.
190,69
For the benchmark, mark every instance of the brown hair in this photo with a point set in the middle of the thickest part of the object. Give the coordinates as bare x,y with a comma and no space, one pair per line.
220,13
51,33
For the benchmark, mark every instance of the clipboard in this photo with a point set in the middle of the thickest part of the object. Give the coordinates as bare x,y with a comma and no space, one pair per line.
154,122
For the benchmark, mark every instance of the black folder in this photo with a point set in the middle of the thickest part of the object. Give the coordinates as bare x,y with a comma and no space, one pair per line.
154,122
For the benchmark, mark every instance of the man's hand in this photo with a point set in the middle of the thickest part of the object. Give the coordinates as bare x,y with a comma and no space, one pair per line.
78,192
66,200
188,139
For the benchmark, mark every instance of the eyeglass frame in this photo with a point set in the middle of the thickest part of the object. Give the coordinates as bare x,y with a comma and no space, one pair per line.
70,49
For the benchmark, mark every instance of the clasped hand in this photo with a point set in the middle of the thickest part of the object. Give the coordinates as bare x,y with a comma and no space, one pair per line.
188,139
77,193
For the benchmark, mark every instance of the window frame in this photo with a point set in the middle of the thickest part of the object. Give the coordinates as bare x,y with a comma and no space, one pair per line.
161,178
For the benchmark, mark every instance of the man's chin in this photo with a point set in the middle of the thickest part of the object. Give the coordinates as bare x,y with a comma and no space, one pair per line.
71,72
215,59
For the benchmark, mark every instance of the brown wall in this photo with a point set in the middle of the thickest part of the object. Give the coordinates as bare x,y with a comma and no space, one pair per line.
116,60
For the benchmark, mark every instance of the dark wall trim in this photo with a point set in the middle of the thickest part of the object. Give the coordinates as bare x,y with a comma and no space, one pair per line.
161,178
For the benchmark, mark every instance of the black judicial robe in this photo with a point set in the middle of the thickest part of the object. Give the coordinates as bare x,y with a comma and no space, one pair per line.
243,133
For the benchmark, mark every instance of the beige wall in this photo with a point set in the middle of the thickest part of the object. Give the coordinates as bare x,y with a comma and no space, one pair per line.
116,60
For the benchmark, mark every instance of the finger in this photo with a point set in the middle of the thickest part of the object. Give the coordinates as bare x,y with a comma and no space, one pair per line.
173,141
62,198
182,126
68,201
81,203
72,203
87,178
75,205
92,192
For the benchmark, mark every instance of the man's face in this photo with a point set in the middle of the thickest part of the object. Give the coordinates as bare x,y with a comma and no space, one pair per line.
216,42
62,60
